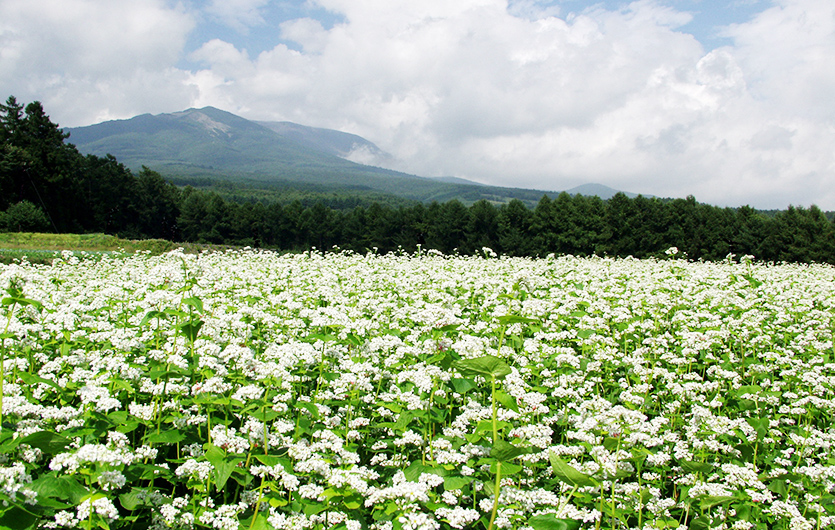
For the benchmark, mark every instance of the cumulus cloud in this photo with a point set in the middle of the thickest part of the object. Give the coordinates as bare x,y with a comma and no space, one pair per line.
93,59
238,14
516,93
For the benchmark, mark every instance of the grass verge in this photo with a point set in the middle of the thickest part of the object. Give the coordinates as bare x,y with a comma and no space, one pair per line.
43,248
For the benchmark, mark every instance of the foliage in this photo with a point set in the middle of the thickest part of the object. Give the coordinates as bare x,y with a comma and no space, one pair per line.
77,193
43,176
245,389
23,217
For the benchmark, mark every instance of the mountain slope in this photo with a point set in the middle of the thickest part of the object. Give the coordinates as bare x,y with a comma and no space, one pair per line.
344,145
599,190
212,145
202,138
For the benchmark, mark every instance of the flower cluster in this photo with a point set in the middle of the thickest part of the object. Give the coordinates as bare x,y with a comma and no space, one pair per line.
246,389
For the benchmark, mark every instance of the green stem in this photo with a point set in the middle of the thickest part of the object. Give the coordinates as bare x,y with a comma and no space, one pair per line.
264,412
257,504
497,490
495,411
3,359
501,340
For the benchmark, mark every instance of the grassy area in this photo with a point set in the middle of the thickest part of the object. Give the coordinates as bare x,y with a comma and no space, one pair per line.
43,248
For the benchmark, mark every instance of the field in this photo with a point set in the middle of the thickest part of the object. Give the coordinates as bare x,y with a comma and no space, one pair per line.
244,389
43,248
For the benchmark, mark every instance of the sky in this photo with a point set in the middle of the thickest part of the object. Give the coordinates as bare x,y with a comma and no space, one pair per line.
731,101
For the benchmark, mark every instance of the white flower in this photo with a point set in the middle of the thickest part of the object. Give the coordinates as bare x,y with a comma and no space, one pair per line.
195,469
101,506
111,480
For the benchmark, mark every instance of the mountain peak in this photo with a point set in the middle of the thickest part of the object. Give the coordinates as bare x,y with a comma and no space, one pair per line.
213,144
203,118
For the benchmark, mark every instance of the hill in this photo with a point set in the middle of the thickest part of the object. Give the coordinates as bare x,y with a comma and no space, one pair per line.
344,145
213,144
205,146
599,190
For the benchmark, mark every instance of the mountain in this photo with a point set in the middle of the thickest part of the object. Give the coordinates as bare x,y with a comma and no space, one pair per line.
205,138
457,180
604,192
344,145
209,145
590,190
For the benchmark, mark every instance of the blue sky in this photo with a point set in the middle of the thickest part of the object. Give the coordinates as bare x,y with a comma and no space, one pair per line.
728,101
709,19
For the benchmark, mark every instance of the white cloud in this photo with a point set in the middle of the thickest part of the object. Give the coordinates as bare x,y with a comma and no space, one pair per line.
307,32
499,92
238,14
92,58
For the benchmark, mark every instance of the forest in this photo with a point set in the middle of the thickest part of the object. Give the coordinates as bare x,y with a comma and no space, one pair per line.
47,185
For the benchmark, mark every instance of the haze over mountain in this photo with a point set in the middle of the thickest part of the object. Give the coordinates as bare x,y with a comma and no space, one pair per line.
344,145
218,145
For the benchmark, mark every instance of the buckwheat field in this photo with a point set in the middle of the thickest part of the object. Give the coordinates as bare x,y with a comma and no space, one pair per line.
251,390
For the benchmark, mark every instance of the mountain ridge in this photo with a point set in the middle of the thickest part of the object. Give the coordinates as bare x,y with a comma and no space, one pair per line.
216,144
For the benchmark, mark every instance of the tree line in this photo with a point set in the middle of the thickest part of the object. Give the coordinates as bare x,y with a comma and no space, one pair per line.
47,185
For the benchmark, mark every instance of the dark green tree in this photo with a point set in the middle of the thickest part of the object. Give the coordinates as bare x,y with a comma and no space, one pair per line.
192,218
23,217
447,223
107,192
482,228
514,229
157,206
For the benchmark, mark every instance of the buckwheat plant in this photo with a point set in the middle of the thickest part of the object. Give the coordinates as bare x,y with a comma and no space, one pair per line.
251,390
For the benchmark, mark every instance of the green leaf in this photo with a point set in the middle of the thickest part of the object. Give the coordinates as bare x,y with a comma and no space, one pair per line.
488,366
515,319
748,389
505,452
487,426
666,523
780,487
568,474
64,487
269,460
19,300
403,421
15,518
314,508
151,315
699,523
31,379
310,407
707,502
456,483
194,302
48,442
224,465
265,415
696,467
508,468
190,329
549,521
259,522
753,281
761,425
138,472
461,385
507,400
165,437
131,500
416,469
